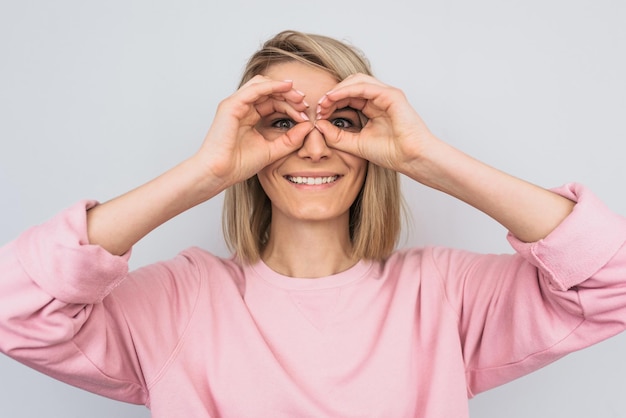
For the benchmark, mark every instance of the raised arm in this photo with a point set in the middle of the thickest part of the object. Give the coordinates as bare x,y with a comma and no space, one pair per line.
232,152
395,137
529,212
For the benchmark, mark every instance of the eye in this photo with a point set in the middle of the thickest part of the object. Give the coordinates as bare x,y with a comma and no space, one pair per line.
342,123
283,124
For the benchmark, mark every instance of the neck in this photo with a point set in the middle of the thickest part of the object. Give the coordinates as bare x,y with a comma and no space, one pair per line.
308,249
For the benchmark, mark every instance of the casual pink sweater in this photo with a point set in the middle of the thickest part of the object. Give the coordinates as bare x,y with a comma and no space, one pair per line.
414,336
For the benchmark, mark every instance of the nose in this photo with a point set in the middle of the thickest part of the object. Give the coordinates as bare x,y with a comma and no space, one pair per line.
314,146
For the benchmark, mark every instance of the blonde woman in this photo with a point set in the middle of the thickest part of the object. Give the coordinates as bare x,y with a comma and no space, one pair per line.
316,314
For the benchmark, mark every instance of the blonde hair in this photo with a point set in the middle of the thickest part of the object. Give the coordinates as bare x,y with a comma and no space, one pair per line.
374,215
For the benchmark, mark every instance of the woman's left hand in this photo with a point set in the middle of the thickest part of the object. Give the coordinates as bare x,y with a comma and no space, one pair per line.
394,137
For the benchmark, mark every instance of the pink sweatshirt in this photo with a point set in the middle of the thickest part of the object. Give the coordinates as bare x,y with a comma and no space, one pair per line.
415,336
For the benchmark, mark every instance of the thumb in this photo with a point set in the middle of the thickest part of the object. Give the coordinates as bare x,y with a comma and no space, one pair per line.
338,138
290,140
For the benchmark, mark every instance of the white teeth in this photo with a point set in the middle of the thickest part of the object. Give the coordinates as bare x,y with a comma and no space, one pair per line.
312,180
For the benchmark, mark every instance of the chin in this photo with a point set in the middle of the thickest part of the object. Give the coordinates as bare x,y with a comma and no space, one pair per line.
318,214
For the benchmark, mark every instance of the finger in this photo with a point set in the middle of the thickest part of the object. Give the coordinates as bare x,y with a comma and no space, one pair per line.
365,91
352,81
272,106
240,104
272,103
352,102
260,89
374,96
294,96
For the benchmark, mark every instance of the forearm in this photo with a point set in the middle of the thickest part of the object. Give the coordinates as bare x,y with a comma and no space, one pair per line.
121,222
529,212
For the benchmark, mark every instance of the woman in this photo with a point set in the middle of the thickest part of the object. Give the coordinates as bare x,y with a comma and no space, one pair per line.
315,316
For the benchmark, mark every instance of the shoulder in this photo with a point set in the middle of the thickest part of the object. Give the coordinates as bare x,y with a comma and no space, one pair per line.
420,257
437,262
215,270
204,262
182,276
417,275
407,264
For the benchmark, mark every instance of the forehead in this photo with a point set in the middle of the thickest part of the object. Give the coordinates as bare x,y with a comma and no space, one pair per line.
306,78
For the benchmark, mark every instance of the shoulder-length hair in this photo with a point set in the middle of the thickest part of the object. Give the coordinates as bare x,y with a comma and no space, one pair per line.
374,215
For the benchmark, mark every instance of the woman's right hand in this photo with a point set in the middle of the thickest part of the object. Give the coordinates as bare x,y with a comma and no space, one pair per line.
233,149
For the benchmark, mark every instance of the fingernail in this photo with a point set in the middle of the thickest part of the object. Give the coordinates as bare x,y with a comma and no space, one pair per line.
300,93
318,109
288,81
305,103
321,99
304,116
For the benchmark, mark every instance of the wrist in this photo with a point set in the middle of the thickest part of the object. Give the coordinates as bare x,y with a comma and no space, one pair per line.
431,162
198,181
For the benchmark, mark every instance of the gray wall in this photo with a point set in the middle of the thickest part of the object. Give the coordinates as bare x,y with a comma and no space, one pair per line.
98,97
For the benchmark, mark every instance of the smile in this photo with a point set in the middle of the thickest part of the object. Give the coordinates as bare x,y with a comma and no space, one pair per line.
312,180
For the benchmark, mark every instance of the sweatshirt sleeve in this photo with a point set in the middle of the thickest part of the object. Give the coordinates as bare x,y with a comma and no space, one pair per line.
517,313
52,287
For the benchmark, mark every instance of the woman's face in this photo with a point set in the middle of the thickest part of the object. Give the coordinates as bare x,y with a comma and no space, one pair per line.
316,182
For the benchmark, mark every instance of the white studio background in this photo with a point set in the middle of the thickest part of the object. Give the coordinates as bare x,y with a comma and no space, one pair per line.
98,97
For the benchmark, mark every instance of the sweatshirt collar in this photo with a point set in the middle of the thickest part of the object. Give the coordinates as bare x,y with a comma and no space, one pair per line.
353,274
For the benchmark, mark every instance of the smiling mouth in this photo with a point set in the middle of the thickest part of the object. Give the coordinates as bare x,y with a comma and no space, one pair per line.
312,180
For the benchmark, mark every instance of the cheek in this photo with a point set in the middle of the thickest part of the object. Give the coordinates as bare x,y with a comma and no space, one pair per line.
264,180
269,182
268,173
362,177
267,134
361,166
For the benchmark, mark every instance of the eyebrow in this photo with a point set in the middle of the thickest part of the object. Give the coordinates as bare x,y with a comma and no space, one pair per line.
276,115
347,108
